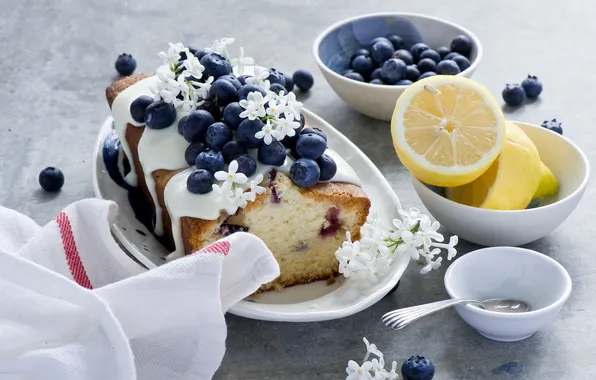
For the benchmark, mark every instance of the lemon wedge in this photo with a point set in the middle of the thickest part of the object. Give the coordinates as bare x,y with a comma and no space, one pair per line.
510,182
549,185
447,130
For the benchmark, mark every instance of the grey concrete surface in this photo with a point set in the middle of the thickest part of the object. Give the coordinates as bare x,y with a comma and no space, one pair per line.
58,56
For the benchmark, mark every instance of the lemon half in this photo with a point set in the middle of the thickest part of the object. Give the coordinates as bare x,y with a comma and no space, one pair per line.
447,130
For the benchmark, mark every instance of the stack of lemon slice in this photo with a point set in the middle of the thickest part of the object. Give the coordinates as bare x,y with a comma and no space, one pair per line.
450,132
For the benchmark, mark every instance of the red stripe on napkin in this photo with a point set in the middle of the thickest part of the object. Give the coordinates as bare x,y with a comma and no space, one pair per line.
72,254
222,247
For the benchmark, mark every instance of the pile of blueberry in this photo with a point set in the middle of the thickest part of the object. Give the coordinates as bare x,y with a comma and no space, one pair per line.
553,125
217,134
515,95
417,368
387,61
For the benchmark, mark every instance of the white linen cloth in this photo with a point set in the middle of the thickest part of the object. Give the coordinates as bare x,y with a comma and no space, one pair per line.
74,306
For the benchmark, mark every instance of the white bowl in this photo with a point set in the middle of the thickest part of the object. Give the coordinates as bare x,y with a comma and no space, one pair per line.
497,228
334,47
513,273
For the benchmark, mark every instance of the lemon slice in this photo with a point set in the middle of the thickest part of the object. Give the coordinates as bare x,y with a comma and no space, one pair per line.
548,183
447,130
510,182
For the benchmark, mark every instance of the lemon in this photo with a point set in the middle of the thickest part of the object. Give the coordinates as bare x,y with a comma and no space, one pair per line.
447,130
548,183
510,182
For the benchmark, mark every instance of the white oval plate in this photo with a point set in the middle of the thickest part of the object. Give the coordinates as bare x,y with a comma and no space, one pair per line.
302,303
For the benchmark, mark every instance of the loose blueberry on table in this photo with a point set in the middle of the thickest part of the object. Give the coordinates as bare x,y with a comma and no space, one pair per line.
532,86
51,179
417,368
125,64
553,125
514,94
303,80
388,61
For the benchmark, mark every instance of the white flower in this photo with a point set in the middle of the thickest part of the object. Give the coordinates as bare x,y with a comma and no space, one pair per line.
254,188
392,375
286,127
378,367
293,107
357,372
268,134
241,61
173,54
254,105
275,108
242,198
260,75
372,348
231,177
220,46
193,67
203,91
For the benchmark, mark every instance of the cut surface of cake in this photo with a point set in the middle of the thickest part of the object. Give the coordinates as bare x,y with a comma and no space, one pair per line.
300,202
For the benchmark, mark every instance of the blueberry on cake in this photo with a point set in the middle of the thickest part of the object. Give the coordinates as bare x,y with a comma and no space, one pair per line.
217,145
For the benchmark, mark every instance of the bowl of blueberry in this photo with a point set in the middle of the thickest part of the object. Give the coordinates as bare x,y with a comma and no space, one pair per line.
370,60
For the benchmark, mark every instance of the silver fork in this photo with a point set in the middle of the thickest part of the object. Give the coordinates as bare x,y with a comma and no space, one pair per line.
400,318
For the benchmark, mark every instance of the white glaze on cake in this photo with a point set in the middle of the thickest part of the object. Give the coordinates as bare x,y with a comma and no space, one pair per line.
164,149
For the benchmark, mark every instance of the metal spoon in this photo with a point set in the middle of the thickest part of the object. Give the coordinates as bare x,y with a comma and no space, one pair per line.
400,318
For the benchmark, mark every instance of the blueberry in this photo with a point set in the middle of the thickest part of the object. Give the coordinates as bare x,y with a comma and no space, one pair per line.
393,70
246,164
451,55
427,74
242,79
363,65
211,160
376,81
430,53
381,51
553,125
217,135
305,172
316,131
354,76
359,52
514,94
125,64
232,79
532,86
462,62
447,67
196,125
231,115
289,83
462,45
216,65
303,80
443,51
246,133
200,182
199,53
232,149
247,89
412,73
404,55
327,166
51,179
397,41
273,154
160,115
379,39
138,107
290,141
418,48
311,145
223,91
376,74
193,151
181,125
404,82
417,368
277,88
212,108
276,76
426,64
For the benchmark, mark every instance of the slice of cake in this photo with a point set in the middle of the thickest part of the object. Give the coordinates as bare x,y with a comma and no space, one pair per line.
215,153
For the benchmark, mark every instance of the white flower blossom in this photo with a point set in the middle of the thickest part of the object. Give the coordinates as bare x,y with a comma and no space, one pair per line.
241,61
193,67
392,375
372,348
205,87
276,108
268,134
241,198
254,105
357,372
292,106
254,187
261,74
285,127
173,54
220,46
373,369
378,367
230,177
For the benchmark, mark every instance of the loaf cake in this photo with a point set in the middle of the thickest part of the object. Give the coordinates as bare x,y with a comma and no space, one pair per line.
300,202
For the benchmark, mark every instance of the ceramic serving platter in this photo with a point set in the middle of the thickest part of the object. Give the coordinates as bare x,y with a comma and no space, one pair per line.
302,303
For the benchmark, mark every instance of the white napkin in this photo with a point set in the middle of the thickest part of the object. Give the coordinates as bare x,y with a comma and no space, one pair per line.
73,306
